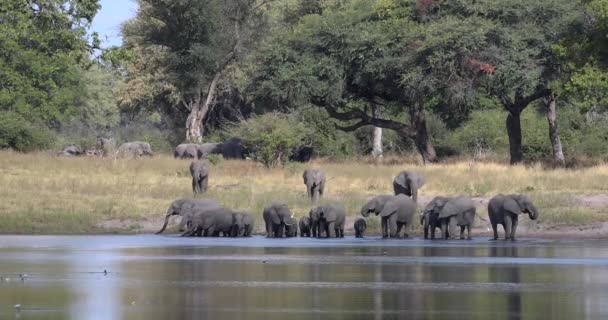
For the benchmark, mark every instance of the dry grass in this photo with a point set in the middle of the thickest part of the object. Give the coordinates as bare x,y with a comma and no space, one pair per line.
45,194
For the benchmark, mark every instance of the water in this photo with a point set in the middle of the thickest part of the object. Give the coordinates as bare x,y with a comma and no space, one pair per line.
162,277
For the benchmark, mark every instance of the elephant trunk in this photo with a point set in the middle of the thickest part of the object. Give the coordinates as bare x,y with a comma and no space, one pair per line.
165,224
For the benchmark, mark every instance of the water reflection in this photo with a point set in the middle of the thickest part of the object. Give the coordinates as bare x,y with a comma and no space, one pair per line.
204,280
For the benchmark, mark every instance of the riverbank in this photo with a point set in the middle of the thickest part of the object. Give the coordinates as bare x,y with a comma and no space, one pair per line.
43,194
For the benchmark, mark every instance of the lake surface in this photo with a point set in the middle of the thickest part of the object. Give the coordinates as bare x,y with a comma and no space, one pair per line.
163,277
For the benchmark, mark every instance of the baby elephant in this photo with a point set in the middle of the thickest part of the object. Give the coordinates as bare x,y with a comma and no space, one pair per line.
314,179
360,227
305,227
200,176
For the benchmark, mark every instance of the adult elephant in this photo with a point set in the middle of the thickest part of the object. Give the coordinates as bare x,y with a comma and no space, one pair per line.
408,183
395,212
458,211
233,148
430,216
245,222
505,210
187,151
135,149
211,222
314,179
209,148
278,218
328,218
186,208
200,176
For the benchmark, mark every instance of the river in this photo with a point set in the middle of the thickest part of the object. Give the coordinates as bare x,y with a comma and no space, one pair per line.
165,277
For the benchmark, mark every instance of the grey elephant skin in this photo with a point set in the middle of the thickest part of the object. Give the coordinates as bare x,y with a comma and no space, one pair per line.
408,183
135,149
186,208
245,223
305,228
279,220
458,211
233,148
200,176
328,219
505,210
211,222
187,151
396,212
71,151
430,216
360,226
314,179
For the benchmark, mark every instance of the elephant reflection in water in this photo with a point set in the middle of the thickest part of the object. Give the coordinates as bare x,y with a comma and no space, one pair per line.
507,274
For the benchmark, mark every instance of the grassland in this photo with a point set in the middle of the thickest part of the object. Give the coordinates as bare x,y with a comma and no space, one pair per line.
43,194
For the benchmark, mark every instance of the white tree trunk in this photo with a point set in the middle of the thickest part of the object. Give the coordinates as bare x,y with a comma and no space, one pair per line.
377,151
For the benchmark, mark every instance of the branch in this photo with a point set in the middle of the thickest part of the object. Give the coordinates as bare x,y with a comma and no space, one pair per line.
352,127
539,93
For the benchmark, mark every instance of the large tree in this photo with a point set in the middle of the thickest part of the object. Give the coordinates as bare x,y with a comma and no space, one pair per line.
190,44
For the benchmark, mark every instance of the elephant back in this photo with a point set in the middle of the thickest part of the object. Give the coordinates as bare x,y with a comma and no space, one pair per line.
456,206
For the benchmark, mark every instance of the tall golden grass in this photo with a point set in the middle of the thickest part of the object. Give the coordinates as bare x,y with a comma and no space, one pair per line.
40,193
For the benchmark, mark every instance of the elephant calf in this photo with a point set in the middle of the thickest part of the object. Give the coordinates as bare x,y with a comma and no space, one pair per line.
408,183
328,218
200,176
244,225
505,210
304,227
458,211
360,227
314,179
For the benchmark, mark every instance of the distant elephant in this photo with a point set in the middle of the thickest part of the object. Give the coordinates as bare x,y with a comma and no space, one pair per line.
277,218
328,218
200,176
408,183
396,212
135,149
207,149
301,154
304,227
458,211
211,222
106,145
233,148
185,208
314,179
245,222
291,227
430,216
360,227
71,151
187,151
505,210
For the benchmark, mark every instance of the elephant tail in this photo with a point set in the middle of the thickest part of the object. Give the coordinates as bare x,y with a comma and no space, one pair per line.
164,225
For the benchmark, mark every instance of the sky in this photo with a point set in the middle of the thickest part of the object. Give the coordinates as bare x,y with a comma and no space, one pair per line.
108,19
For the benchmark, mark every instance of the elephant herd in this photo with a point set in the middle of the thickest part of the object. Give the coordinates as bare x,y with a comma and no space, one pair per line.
206,217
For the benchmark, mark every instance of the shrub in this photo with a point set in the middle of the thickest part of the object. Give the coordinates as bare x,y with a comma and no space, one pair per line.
17,133
271,137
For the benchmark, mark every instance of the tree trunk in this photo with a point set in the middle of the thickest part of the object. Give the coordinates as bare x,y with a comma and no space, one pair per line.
198,112
514,133
556,143
422,138
377,151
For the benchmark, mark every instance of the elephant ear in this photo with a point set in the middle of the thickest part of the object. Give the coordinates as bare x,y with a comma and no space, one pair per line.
511,205
389,208
274,216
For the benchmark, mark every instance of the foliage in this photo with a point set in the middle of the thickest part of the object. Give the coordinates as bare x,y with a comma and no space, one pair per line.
19,134
271,137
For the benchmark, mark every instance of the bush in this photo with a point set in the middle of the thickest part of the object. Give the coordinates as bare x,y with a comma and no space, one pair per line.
271,137
17,133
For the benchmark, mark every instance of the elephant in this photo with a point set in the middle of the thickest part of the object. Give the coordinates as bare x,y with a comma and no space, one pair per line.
71,151
430,216
233,148
135,149
211,222
360,227
327,218
395,211
291,227
200,176
408,183
245,222
314,179
277,218
185,208
207,149
458,211
304,227
505,210
187,151
106,145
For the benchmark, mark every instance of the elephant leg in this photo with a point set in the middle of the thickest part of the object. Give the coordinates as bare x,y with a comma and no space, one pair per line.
426,231
469,232
444,229
268,230
205,184
508,226
495,229
462,232
452,223
331,230
515,222
398,232
383,225
392,225
193,185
